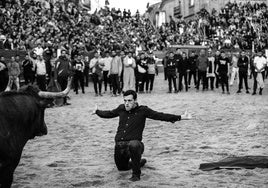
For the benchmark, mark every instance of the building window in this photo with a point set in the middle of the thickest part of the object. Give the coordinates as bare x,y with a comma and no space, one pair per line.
191,3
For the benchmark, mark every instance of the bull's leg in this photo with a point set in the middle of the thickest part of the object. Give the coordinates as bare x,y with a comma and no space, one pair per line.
7,169
6,178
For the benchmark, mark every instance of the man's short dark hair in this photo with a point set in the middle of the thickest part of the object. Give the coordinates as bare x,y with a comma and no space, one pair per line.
131,92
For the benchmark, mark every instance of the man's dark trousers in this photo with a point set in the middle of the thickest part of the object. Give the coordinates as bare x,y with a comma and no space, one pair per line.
126,150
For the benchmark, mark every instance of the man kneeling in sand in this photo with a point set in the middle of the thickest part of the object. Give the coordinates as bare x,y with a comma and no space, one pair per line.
128,139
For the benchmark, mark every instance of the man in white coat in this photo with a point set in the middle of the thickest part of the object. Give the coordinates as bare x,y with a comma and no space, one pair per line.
129,72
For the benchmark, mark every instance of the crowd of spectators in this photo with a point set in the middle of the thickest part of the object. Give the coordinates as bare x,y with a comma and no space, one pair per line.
235,26
47,29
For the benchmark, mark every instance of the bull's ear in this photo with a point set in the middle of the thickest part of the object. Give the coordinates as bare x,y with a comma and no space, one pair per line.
46,103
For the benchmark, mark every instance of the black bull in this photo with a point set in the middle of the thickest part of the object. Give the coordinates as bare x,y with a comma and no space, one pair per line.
21,119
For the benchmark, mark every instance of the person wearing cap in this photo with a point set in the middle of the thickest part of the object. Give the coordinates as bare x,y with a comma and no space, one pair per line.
128,139
259,64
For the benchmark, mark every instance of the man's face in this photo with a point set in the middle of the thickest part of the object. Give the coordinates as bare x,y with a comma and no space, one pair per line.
202,52
129,102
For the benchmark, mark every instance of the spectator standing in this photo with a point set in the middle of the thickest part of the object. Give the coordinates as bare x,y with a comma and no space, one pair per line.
217,57
62,71
115,73
41,73
183,68
129,72
28,70
193,68
142,68
259,64
86,70
13,74
171,72
107,65
243,65
121,80
211,70
202,64
222,70
78,74
234,72
97,75
152,71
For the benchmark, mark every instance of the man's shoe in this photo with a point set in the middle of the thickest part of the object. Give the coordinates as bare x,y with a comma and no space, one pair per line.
254,93
247,92
135,178
239,91
228,93
143,162
67,103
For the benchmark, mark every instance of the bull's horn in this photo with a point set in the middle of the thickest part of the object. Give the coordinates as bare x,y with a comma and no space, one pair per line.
46,94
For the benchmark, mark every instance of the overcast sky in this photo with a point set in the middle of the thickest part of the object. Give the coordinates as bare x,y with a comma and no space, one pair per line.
133,5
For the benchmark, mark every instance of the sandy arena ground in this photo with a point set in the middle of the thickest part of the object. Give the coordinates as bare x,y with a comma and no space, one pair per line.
78,150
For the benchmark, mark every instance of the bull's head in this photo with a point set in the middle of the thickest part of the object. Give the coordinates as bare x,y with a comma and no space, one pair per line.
44,95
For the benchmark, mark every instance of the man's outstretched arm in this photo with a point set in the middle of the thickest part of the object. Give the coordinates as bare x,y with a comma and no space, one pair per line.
106,113
167,117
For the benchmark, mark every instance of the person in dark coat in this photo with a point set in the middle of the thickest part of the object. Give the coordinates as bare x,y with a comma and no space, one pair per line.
171,72
243,64
128,139
183,68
